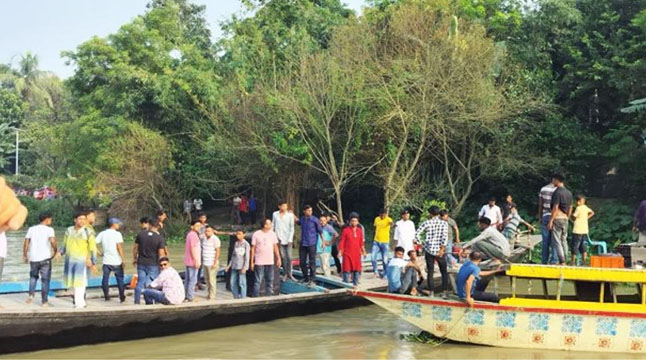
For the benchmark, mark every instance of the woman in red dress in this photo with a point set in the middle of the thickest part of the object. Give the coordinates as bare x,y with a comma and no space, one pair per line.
351,247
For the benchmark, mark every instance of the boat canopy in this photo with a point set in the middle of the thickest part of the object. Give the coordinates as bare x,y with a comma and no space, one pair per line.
577,273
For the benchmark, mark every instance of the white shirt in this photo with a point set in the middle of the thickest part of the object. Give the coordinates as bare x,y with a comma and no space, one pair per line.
492,212
3,245
405,234
283,226
109,240
209,248
40,249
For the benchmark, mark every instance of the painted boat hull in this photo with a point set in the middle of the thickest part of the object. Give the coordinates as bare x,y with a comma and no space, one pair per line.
520,327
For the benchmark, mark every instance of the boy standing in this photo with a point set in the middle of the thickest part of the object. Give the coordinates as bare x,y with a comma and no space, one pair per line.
382,224
39,247
580,229
210,256
325,241
239,265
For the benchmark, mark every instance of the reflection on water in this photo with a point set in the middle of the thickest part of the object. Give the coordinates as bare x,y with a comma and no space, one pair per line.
367,332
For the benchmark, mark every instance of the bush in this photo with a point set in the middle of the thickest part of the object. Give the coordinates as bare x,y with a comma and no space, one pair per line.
61,210
612,221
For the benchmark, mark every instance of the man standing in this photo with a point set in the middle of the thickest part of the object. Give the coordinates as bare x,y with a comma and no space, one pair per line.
382,225
264,249
454,236
235,210
188,207
90,215
192,258
148,248
79,248
310,230
161,228
198,203
38,250
351,247
405,233
470,282
111,242
561,211
253,208
491,211
490,242
437,236
283,223
210,259
506,209
544,215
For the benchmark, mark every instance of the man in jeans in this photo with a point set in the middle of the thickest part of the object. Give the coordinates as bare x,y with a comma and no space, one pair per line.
149,247
544,214
264,249
382,225
310,231
472,283
38,250
402,274
192,258
561,212
167,288
111,242
283,223
437,236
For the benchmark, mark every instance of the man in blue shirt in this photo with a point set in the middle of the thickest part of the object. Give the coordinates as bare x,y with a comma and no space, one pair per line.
402,274
310,231
470,282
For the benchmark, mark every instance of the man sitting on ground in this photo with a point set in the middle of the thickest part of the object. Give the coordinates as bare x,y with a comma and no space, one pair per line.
167,288
402,274
471,282
491,243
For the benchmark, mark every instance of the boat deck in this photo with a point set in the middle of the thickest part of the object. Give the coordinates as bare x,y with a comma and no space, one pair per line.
15,302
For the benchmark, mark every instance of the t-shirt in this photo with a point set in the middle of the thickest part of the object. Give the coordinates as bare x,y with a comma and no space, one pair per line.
382,229
264,242
198,204
513,223
192,240
240,255
209,247
40,248
3,245
328,234
466,270
149,244
395,266
581,220
546,195
562,197
491,212
405,235
109,240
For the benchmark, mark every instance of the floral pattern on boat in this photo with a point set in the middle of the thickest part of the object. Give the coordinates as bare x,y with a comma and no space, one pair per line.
607,326
638,328
572,324
412,309
505,319
474,317
441,313
539,322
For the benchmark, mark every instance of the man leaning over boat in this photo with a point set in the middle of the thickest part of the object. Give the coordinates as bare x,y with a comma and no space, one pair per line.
472,282
490,243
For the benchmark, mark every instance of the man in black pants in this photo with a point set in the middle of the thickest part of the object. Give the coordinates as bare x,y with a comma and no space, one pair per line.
437,235
472,282
310,230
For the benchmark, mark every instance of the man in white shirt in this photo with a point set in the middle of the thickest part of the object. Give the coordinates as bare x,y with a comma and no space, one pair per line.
283,226
405,233
39,249
492,212
111,242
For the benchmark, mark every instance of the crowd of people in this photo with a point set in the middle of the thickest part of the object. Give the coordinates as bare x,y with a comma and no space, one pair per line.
256,258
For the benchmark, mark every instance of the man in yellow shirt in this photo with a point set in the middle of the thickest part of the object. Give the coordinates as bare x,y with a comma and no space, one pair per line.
580,229
382,224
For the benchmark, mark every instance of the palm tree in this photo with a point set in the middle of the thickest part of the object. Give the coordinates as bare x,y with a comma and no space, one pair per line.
28,80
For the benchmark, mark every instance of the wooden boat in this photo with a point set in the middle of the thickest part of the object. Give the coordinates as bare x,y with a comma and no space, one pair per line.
29,327
606,322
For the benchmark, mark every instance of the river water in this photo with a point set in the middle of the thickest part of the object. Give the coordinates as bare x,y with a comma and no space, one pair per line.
365,332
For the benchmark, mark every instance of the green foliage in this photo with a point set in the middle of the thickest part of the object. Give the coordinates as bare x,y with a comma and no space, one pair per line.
424,337
61,210
612,222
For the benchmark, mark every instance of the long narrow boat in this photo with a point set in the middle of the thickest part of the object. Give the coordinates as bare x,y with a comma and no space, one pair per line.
606,321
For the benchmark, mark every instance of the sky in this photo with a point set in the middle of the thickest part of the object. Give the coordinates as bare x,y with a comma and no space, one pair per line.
47,27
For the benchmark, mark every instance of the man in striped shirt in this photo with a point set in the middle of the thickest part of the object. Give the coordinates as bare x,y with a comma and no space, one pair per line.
437,236
544,214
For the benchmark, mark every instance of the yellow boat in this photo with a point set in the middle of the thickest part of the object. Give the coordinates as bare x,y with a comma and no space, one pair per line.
595,319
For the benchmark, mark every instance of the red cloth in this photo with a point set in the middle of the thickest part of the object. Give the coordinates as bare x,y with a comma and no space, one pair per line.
244,205
351,244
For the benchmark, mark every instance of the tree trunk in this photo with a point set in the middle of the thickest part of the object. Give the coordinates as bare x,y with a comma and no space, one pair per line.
339,203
